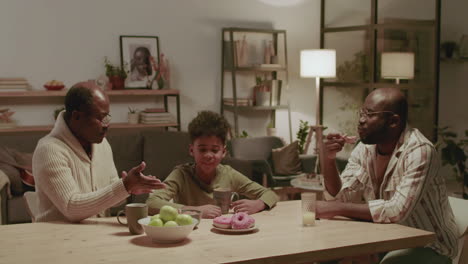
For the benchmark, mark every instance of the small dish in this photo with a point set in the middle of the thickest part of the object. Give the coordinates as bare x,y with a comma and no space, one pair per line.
230,230
54,87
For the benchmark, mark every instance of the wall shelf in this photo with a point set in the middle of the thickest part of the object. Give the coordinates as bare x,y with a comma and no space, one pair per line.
41,95
47,128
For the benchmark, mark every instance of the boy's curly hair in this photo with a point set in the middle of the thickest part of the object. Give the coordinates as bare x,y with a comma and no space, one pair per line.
208,123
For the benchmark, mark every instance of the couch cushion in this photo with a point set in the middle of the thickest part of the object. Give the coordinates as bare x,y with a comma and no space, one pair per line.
127,148
17,212
286,160
163,150
10,160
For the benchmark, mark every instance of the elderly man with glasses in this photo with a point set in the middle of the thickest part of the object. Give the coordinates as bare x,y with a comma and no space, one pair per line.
391,177
73,165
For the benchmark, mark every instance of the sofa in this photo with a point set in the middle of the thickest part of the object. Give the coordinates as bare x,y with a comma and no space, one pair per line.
161,150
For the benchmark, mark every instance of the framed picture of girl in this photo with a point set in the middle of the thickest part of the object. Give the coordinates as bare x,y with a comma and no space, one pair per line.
135,54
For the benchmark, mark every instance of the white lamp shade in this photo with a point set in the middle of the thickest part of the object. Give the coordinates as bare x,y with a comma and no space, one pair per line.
397,65
318,63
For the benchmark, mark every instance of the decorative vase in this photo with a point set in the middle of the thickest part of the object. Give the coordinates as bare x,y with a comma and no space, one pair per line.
118,83
271,131
133,118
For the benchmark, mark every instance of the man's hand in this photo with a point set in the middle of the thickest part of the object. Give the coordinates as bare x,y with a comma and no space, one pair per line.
137,183
248,206
333,145
208,211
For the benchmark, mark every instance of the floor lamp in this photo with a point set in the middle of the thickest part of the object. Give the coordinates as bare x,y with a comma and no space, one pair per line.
397,65
317,63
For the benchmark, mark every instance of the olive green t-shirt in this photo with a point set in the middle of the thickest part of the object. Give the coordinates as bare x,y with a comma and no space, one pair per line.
186,189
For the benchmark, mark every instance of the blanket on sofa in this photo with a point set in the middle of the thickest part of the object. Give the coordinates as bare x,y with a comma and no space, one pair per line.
4,182
16,166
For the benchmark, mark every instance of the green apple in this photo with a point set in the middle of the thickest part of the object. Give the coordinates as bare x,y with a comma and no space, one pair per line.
168,213
156,216
183,219
171,223
156,222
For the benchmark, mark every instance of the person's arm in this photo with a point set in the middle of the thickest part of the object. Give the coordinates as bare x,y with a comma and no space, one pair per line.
332,146
52,172
161,197
260,197
330,209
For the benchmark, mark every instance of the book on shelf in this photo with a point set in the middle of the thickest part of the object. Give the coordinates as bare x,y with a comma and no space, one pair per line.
154,110
155,115
14,85
157,121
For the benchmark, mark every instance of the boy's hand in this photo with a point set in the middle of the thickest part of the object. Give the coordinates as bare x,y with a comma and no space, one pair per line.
208,211
248,206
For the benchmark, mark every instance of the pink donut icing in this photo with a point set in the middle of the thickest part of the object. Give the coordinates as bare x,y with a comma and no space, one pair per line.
242,221
222,221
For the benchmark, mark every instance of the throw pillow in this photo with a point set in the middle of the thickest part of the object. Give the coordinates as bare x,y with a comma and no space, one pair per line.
286,159
12,163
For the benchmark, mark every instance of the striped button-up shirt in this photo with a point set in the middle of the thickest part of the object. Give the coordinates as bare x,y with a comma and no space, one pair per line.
412,192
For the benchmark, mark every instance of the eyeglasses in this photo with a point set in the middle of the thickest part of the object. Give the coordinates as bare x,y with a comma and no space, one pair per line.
362,113
106,120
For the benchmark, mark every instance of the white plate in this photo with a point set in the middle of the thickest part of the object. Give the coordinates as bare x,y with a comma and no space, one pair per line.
230,230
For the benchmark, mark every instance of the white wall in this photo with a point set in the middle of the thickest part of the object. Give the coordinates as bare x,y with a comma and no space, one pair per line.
67,40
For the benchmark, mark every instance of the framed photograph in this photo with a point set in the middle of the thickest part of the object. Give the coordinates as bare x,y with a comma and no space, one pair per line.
135,53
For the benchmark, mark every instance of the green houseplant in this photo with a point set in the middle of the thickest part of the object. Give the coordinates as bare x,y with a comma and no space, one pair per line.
116,74
449,47
453,153
133,115
302,134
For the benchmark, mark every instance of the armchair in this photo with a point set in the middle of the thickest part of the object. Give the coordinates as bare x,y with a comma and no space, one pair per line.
258,151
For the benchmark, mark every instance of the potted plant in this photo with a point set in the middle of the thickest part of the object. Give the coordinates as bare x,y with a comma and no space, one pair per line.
271,130
453,153
261,96
302,135
116,75
133,115
449,47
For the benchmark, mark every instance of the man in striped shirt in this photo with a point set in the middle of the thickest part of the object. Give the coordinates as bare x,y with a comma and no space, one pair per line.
391,177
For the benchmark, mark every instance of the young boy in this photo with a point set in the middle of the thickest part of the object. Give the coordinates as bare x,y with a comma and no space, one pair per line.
191,185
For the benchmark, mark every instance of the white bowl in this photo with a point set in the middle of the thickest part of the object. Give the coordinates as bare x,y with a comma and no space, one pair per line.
166,234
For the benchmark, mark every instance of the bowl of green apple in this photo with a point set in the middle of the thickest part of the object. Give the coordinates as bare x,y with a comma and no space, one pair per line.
168,226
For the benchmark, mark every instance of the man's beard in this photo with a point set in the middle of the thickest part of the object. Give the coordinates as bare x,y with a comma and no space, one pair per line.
376,136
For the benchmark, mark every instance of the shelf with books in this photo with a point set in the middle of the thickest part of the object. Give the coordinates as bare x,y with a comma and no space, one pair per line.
45,97
47,128
267,69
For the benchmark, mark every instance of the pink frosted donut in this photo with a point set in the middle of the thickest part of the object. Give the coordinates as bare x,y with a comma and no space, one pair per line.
222,221
242,221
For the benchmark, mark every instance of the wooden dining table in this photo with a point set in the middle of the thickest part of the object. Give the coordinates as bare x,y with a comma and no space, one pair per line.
279,238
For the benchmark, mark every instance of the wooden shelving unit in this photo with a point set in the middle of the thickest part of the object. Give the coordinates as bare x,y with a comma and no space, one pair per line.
229,65
42,95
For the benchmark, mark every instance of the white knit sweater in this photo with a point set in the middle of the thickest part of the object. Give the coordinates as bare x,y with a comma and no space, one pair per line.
70,185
